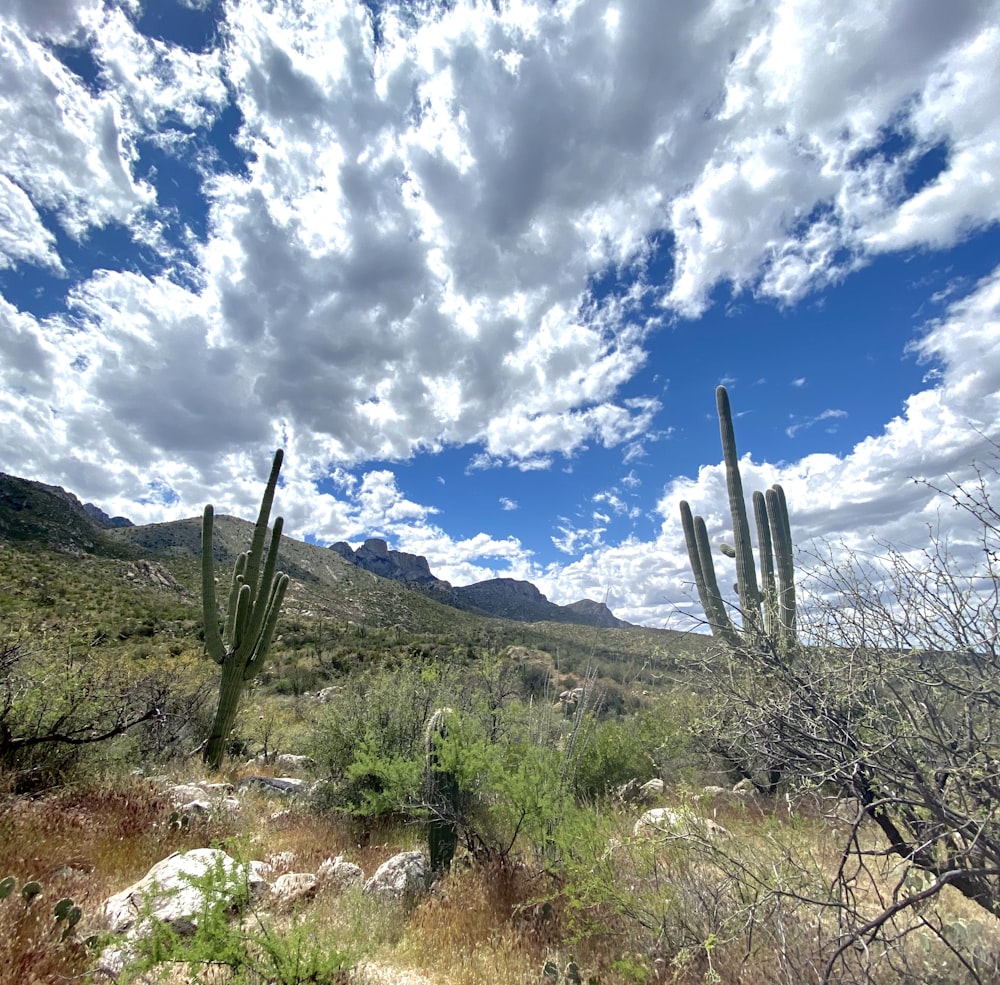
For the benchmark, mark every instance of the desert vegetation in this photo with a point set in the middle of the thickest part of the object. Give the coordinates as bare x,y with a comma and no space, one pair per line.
807,795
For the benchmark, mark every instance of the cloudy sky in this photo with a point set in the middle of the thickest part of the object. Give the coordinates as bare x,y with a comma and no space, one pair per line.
479,268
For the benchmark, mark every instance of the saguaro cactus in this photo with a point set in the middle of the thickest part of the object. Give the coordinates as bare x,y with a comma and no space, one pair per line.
255,598
767,607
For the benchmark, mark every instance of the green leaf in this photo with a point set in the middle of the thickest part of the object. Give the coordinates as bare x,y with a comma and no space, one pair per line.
30,890
7,886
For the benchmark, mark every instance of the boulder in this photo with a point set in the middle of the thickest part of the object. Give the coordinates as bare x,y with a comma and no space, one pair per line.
281,861
651,790
167,892
328,693
672,821
293,886
286,760
186,793
711,793
635,792
339,873
401,877
287,785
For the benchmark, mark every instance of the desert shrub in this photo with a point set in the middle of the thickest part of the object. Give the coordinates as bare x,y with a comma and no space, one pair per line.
369,741
54,707
511,794
614,751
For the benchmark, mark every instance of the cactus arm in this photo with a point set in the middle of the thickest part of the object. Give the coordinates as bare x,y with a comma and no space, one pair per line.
700,557
243,608
746,574
259,655
720,617
213,639
234,594
781,533
767,585
267,583
260,529
213,636
694,558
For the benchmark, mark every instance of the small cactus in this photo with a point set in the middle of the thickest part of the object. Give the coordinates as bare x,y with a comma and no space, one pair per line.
441,796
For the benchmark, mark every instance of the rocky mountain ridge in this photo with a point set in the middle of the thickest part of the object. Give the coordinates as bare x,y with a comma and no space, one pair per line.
505,598
31,510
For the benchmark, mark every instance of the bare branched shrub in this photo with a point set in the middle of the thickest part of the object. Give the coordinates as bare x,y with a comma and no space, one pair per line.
893,699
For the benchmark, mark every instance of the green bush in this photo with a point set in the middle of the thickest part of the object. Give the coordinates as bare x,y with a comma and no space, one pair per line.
369,740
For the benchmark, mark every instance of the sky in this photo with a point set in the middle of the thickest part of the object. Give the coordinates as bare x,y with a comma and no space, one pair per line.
479,267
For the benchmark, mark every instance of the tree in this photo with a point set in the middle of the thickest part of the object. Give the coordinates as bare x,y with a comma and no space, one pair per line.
51,708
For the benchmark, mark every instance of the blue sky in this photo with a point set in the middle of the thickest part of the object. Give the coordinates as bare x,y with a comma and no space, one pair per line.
480,267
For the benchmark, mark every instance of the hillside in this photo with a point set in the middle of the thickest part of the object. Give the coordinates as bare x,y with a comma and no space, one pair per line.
39,521
35,512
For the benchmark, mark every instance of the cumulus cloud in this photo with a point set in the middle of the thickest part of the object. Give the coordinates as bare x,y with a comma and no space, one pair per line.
395,251
883,492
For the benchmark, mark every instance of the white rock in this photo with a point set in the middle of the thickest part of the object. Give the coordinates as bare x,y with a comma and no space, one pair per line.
166,892
185,793
671,821
293,886
403,875
651,789
281,860
339,873
711,793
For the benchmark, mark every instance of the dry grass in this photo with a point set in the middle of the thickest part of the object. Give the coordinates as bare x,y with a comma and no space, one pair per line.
678,911
84,845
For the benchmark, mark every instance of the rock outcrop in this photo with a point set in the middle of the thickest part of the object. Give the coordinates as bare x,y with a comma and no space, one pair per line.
374,556
180,888
507,598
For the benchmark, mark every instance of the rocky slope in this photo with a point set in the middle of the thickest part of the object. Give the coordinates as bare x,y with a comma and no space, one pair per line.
32,510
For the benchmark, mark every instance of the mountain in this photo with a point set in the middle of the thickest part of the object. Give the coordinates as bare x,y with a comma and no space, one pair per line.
34,511
505,598
509,598
374,556
103,520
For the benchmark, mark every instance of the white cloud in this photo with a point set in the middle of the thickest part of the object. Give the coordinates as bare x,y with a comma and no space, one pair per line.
866,497
402,262
830,414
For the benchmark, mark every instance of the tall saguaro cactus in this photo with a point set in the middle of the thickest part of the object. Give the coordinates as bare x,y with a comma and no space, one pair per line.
255,598
767,606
